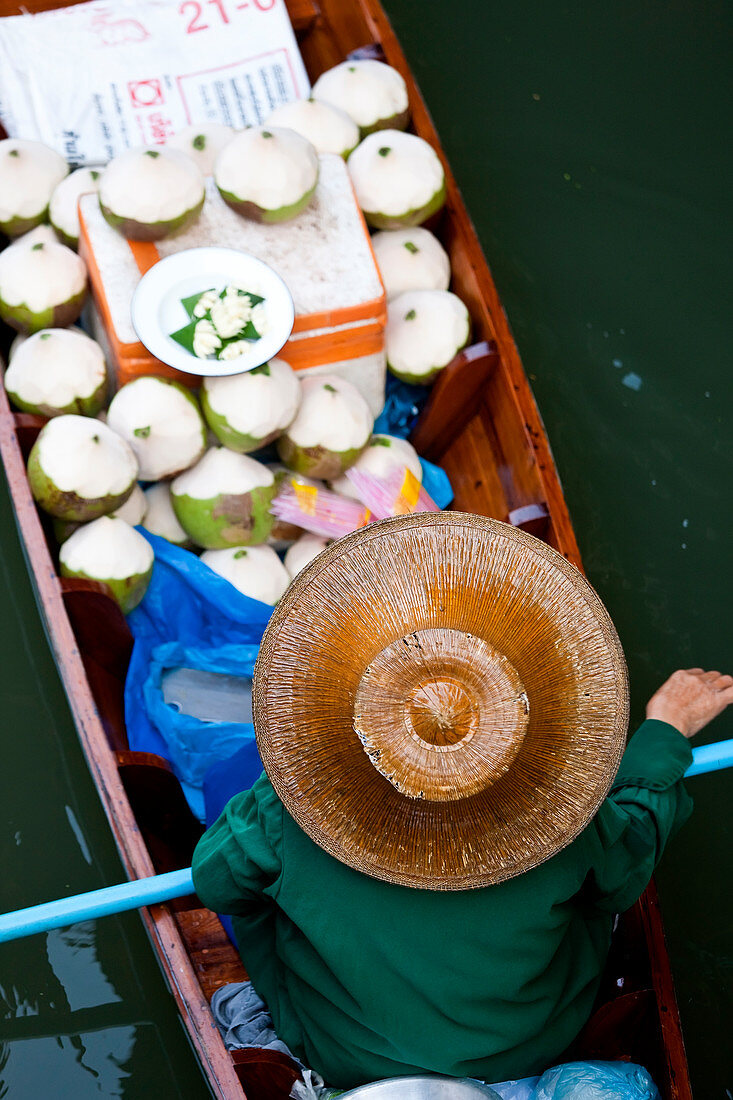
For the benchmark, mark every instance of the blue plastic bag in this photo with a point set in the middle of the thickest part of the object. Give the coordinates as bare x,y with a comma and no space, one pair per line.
596,1081
402,406
194,744
190,607
436,483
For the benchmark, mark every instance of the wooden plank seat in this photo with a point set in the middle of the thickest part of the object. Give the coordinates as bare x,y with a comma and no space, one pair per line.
215,959
264,1074
105,644
164,817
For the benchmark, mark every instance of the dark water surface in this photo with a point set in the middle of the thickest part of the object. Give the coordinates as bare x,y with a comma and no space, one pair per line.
591,145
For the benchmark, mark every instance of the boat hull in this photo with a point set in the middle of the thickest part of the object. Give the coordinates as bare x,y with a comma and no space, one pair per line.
482,425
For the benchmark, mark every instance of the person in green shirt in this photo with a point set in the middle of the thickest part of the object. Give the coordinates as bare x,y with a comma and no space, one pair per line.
369,979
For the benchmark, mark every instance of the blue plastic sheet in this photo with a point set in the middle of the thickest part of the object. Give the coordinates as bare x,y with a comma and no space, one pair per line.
188,612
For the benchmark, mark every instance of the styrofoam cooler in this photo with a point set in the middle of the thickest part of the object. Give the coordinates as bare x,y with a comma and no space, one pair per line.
324,256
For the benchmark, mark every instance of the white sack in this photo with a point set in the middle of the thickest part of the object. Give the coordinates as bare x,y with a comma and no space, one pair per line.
94,79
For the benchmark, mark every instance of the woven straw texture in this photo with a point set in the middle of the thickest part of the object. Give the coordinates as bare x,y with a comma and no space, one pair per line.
441,701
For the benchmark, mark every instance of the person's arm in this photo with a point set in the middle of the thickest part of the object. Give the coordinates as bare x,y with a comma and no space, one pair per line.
238,858
648,803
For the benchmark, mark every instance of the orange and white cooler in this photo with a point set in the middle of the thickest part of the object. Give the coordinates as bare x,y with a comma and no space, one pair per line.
324,256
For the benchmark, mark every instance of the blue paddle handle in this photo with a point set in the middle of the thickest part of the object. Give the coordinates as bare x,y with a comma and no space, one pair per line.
176,884
96,903
711,758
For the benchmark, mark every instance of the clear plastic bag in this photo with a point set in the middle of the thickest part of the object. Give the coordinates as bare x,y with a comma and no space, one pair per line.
516,1090
596,1081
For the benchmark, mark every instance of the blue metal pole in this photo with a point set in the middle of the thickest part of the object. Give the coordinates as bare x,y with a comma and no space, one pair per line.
95,903
711,758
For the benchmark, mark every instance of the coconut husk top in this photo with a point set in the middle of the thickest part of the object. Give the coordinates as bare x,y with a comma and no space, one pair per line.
441,701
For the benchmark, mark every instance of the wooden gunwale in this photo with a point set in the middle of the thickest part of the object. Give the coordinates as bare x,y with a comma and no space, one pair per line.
159,922
455,427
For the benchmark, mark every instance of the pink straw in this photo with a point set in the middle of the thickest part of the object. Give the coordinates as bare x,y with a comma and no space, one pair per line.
318,510
398,494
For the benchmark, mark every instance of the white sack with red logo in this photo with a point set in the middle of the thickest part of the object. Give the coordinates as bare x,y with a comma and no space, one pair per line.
96,78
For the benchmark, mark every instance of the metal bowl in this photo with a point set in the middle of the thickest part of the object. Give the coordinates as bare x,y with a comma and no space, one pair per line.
422,1088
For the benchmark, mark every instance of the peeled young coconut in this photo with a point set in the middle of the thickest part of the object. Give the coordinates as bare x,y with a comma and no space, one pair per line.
411,259
383,455
134,509
268,175
80,469
42,234
161,421
398,179
21,337
112,552
41,286
331,429
425,330
302,552
29,171
160,519
224,500
327,128
148,194
257,571
202,143
57,371
63,210
372,93
248,411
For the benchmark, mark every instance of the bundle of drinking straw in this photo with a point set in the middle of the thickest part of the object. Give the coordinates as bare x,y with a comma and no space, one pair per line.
318,510
331,515
397,494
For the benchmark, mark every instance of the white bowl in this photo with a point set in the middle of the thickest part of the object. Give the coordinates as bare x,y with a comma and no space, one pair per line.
157,311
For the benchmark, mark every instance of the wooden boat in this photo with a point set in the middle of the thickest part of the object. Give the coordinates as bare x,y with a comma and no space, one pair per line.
481,424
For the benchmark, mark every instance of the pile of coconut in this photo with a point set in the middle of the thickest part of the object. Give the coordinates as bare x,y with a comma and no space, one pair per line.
197,468
399,183
182,466
358,109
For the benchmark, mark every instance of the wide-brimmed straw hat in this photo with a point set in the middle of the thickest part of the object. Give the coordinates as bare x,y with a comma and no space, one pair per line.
441,701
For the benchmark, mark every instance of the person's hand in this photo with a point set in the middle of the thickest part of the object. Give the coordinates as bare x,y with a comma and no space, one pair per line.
690,699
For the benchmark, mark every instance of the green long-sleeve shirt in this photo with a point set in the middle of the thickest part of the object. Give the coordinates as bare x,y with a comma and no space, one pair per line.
366,980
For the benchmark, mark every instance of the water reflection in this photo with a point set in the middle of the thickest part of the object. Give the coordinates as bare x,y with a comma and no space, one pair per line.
72,955
88,1065
80,1066
83,1011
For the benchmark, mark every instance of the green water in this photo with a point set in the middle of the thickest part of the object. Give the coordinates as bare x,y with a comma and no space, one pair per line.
590,143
